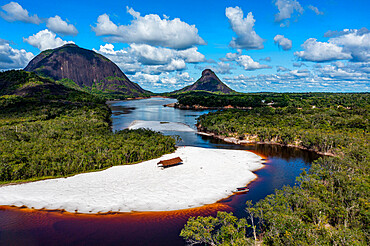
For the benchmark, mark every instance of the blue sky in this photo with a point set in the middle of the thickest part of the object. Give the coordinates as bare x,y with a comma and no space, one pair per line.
253,46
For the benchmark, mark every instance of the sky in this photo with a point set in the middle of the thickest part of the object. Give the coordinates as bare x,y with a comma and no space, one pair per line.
253,46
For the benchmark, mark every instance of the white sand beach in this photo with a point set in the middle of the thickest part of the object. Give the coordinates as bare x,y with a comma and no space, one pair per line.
206,176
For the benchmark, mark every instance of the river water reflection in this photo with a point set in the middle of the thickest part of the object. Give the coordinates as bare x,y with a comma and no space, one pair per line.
27,227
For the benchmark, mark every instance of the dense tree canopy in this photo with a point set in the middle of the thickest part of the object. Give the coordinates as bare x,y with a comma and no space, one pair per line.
330,203
297,100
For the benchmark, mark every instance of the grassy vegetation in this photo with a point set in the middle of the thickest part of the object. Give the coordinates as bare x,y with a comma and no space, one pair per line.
98,90
63,132
330,203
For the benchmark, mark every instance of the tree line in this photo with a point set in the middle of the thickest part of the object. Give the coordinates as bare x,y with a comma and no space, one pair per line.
297,100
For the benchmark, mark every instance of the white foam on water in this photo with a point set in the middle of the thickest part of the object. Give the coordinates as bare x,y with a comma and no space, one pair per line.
160,126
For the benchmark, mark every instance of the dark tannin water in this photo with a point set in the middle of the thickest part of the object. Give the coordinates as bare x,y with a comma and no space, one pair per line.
30,227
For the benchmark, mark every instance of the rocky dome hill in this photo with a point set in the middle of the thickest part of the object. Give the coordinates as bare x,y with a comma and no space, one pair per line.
85,69
208,82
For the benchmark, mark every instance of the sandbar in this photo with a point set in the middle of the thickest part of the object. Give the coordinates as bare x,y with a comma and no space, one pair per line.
206,176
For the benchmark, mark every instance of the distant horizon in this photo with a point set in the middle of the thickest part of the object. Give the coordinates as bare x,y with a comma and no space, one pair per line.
281,46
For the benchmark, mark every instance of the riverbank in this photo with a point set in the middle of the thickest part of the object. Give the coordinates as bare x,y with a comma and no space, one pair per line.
200,107
234,140
206,176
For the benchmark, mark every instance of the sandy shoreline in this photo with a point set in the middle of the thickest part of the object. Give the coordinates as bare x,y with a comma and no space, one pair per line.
206,176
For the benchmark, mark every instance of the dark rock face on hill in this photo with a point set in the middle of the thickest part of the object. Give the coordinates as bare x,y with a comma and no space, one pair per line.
208,82
85,69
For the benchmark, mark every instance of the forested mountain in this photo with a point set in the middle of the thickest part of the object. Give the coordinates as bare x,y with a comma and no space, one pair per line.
208,82
85,69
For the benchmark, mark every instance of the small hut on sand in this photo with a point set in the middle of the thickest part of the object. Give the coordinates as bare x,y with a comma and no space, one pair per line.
170,162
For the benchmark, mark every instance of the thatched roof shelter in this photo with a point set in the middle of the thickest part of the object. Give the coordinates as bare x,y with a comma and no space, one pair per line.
170,162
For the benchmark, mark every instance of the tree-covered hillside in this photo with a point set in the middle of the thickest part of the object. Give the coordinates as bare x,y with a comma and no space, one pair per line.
48,130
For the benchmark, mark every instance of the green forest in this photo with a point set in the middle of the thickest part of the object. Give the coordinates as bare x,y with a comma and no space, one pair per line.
48,130
297,100
330,203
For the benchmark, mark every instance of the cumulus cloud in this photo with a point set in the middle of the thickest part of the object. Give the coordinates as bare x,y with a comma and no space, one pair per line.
330,33
283,42
178,81
15,12
338,77
345,45
44,40
247,38
321,51
231,56
299,64
149,29
282,69
249,64
316,10
105,27
11,58
223,68
164,82
150,59
57,25
286,9
356,43
149,55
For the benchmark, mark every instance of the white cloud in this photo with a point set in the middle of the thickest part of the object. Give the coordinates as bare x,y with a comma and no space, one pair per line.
299,64
249,64
282,69
142,78
57,25
362,31
175,65
15,12
44,40
149,29
191,55
123,58
246,38
164,82
316,10
223,68
344,45
356,43
321,51
150,59
149,55
283,42
232,56
105,27
13,58
287,9
350,77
